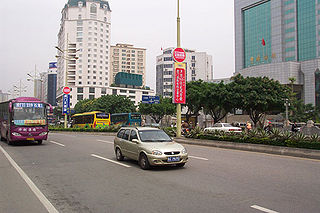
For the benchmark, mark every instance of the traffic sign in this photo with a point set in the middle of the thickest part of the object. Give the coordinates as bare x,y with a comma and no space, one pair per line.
148,99
66,90
179,55
66,104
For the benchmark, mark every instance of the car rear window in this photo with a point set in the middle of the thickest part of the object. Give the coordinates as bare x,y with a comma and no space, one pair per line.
120,133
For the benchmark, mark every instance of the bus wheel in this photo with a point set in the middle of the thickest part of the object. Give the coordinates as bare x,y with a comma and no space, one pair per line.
39,142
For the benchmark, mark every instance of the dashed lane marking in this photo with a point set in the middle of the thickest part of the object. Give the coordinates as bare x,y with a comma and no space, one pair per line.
105,141
199,158
263,209
60,144
112,161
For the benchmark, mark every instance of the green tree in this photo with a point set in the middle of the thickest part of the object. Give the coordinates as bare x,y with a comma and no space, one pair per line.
303,112
108,103
114,104
258,96
158,111
217,100
194,98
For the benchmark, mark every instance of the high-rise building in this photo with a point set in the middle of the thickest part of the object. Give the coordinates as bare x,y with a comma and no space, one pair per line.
280,39
52,84
129,59
199,66
3,96
84,45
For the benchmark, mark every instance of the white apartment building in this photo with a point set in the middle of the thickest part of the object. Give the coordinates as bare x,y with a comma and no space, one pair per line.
129,59
84,45
199,66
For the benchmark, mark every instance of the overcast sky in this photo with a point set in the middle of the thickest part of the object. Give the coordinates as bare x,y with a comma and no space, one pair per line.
28,33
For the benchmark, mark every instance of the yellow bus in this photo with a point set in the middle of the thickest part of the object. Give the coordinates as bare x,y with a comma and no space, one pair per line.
95,119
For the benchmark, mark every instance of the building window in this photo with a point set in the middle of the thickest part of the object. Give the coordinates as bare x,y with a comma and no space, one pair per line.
80,90
93,8
91,97
103,91
79,97
79,17
91,90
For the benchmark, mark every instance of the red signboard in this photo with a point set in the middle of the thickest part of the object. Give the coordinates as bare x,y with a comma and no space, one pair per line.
179,55
66,90
179,96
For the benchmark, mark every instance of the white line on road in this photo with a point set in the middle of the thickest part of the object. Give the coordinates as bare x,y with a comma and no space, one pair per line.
105,141
263,209
33,187
199,158
112,161
57,143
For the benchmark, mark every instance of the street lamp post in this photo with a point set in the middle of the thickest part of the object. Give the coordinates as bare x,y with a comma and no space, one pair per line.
66,59
178,46
287,104
34,78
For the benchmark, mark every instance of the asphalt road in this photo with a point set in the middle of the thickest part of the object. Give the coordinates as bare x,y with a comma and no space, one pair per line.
79,173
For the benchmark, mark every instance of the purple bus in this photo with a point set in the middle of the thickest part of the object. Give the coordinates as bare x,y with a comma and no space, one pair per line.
24,119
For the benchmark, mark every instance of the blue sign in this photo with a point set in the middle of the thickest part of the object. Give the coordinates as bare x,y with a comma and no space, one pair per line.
148,99
29,105
66,104
52,65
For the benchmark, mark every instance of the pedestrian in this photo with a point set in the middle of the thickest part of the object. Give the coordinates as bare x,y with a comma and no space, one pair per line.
268,128
248,126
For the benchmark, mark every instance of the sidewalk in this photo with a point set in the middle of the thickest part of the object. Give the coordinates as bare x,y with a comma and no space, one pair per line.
278,150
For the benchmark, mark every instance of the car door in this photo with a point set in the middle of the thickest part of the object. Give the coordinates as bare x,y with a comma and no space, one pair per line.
118,140
125,143
133,147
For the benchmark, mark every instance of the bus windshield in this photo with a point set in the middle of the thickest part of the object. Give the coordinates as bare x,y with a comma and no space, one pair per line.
29,114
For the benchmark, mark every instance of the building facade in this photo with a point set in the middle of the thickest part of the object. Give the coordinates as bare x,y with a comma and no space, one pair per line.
280,39
84,45
199,67
129,59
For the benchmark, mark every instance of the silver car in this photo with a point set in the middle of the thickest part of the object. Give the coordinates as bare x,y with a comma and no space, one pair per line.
149,146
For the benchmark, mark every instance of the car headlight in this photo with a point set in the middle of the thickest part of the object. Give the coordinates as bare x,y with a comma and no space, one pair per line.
16,134
184,151
42,134
156,152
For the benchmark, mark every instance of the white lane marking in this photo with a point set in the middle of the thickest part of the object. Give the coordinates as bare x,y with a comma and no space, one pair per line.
33,187
199,158
112,161
57,143
263,209
105,141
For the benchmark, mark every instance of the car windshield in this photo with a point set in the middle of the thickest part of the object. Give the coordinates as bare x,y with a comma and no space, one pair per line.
154,136
29,114
227,125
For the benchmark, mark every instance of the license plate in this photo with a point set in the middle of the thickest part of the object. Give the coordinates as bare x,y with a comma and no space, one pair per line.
173,159
30,139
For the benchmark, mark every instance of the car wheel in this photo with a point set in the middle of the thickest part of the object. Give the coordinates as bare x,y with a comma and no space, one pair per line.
119,155
181,164
143,162
39,142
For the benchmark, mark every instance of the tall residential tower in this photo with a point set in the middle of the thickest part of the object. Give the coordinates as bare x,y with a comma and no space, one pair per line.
280,39
84,45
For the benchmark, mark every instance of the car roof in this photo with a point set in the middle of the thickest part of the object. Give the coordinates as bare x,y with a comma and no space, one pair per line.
139,128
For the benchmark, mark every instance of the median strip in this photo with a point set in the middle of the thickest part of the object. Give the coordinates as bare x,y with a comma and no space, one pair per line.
199,158
112,161
105,141
57,143
263,209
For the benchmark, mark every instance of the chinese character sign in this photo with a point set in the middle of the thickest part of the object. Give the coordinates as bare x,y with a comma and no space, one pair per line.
66,104
179,96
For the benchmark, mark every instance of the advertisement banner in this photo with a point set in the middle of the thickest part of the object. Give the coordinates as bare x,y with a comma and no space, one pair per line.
66,104
179,95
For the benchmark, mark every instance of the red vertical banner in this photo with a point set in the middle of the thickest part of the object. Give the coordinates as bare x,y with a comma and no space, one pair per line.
179,96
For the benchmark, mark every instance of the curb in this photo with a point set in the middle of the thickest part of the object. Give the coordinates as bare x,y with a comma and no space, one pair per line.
91,133
277,150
